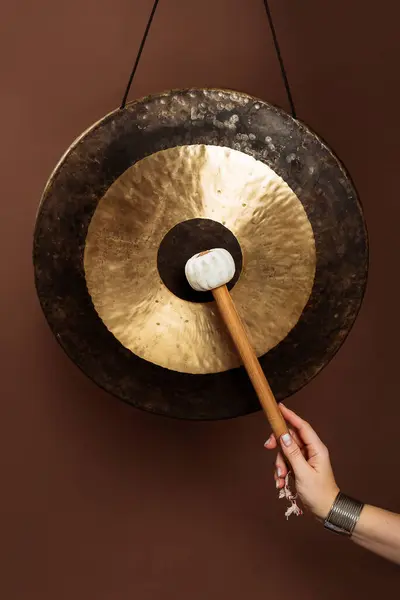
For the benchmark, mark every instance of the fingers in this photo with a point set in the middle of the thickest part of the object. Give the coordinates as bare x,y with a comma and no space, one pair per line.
280,465
294,455
270,444
281,469
298,441
304,430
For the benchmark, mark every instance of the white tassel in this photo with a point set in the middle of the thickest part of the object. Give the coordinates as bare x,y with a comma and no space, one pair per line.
285,492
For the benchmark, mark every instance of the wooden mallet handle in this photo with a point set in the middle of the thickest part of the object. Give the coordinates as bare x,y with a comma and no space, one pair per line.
250,361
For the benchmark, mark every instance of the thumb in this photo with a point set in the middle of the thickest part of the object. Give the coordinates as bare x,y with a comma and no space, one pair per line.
294,455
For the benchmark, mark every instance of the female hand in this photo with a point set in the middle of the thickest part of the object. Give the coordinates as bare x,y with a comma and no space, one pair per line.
310,463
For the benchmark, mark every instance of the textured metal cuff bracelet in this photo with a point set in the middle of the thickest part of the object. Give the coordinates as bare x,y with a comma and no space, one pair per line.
344,515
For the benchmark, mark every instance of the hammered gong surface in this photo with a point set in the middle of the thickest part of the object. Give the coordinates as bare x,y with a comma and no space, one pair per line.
196,117
214,184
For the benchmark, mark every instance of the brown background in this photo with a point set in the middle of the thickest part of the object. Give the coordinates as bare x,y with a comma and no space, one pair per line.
100,501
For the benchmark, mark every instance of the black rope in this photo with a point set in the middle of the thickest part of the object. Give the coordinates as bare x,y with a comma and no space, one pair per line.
279,55
276,44
139,54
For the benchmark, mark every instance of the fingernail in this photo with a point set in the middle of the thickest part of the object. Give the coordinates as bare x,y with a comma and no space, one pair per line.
268,441
279,472
287,439
277,484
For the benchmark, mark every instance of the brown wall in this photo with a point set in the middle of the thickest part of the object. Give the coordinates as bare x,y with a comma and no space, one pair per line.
104,502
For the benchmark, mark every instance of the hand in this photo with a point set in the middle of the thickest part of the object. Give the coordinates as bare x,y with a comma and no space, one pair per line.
310,463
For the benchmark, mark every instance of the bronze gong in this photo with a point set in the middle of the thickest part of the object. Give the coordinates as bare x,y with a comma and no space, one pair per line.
170,175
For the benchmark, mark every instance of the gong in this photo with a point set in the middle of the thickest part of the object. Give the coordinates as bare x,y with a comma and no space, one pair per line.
174,174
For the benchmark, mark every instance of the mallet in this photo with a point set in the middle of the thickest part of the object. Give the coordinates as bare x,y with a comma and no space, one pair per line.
211,271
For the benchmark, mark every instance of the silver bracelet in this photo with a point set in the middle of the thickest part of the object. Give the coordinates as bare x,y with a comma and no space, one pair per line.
343,515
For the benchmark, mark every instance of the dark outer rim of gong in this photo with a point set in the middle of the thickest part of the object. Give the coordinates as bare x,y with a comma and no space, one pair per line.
192,402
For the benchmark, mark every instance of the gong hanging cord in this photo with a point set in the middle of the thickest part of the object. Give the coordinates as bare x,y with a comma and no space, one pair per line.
139,54
280,60
274,38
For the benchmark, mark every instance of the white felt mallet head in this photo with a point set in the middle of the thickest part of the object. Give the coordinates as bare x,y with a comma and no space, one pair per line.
209,270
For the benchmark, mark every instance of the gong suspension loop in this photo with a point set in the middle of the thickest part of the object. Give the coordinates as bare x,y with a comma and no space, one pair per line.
276,45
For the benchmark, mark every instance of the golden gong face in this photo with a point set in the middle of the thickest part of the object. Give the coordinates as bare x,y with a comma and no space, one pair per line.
192,182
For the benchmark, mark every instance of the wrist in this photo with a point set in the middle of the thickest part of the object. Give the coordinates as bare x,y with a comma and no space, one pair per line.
323,508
